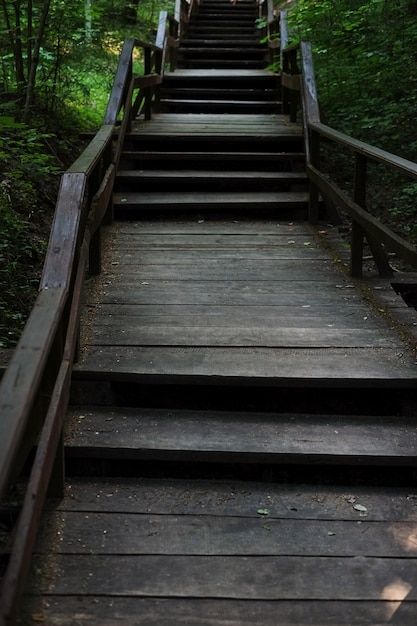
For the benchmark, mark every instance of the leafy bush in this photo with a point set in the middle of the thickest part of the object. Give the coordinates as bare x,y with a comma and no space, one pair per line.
26,166
364,52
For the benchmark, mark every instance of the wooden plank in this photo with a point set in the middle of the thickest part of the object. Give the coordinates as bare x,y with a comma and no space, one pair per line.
220,74
225,292
121,534
345,367
294,578
223,227
132,253
137,176
194,200
62,611
119,333
234,243
237,270
238,499
22,379
344,315
256,437
144,316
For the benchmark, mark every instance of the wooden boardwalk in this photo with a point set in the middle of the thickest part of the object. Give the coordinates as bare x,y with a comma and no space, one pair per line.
201,529
240,442
238,301
203,552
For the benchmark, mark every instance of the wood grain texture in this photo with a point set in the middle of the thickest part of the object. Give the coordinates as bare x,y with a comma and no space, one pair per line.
240,300
258,437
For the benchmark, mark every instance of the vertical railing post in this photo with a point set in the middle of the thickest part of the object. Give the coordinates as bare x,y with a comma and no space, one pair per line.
285,95
314,196
148,90
359,196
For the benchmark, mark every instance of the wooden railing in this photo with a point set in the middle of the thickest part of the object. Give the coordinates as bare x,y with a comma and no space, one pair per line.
34,391
300,97
272,29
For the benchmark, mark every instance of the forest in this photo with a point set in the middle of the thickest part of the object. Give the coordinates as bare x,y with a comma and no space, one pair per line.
58,61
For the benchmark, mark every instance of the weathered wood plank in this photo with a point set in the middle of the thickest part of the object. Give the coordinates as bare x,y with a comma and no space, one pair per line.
267,437
121,534
119,333
260,271
285,578
63,610
144,316
241,227
236,499
195,199
348,367
300,293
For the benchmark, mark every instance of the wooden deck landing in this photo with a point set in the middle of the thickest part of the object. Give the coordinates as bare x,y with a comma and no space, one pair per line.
205,553
238,301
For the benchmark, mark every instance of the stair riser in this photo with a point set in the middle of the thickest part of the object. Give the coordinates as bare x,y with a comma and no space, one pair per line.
219,94
173,185
212,107
261,163
222,64
214,144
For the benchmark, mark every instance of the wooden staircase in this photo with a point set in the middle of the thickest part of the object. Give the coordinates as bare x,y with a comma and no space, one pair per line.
219,142
223,35
228,363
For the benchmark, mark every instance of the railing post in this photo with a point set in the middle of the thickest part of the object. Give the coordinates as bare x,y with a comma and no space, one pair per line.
359,196
283,36
313,206
148,90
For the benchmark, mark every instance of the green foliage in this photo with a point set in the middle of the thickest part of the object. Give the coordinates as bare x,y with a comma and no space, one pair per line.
405,209
26,164
366,72
362,51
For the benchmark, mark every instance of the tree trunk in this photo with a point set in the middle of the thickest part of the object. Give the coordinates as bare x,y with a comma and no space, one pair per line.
30,93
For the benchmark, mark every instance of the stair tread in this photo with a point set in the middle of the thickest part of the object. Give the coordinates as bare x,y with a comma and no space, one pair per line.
206,198
210,174
211,155
196,102
254,436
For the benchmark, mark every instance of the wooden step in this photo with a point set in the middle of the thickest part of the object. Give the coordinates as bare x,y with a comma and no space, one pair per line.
218,31
130,202
243,107
252,42
240,437
140,176
145,551
197,180
248,161
222,20
221,63
231,52
230,94
224,34
248,80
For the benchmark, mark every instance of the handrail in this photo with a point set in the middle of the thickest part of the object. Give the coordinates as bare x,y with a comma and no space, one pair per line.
271,22
34,390
300,92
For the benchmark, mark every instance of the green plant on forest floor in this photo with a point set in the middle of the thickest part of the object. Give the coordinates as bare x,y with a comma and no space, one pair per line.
26,165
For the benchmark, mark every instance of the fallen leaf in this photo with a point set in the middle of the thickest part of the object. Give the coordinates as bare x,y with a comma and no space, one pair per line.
263,511
360,507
